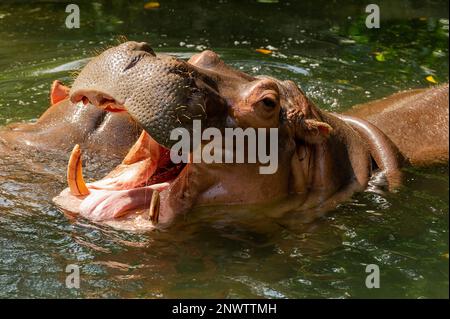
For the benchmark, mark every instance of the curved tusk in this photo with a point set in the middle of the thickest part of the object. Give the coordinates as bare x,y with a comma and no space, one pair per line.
75,178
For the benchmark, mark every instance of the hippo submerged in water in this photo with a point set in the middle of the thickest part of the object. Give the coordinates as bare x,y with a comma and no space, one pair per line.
323,158
64,124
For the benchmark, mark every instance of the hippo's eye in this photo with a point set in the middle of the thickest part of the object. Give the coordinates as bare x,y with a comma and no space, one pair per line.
268,102
133,62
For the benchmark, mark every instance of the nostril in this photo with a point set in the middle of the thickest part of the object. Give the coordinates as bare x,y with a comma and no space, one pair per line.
133,62
85,100
104,101
144,46
97,100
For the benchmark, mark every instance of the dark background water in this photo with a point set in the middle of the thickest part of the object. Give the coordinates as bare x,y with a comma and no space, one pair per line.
322,45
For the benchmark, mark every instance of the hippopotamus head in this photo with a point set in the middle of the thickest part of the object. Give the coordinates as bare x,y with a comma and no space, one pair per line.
163,93
159,91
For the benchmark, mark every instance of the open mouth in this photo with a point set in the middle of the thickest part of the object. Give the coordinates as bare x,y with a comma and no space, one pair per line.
138,185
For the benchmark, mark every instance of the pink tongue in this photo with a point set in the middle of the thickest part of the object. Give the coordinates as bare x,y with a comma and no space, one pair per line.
109,204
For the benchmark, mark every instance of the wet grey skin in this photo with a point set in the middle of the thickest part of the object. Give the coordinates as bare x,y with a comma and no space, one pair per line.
160,92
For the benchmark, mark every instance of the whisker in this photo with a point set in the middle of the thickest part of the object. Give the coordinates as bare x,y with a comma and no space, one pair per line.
121,39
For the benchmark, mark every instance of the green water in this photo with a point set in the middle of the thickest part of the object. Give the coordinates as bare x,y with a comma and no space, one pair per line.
322,45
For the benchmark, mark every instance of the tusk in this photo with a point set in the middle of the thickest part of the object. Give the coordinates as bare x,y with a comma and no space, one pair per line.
154,207
75,178
145,147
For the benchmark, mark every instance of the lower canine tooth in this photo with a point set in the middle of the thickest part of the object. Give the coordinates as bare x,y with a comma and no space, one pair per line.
75,178
154,208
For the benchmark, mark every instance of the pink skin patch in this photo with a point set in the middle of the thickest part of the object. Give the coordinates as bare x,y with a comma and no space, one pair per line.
127,176
58,92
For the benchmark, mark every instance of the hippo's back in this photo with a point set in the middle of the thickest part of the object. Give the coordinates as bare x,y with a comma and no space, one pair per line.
417,121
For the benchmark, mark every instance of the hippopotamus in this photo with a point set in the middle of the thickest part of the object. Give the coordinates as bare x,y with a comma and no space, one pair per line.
323,157
63,124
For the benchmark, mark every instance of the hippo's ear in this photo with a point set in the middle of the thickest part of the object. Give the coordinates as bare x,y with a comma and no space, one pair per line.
303,116
315,131
58,92
311,131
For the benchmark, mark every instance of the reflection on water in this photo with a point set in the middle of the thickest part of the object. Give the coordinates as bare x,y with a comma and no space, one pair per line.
223,252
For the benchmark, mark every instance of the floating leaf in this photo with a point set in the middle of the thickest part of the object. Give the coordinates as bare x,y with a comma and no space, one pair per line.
264,51
445,255
152,5
343,81
431,79
379,56
267,1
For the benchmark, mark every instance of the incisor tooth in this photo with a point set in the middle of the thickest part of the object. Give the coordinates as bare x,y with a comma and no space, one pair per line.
75,178
154,207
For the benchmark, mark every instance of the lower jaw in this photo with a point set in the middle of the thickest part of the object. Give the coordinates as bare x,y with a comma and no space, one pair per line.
135,220
114,205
